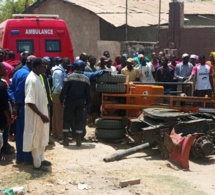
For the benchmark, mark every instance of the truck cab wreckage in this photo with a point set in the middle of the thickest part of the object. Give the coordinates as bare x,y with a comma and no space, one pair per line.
181,126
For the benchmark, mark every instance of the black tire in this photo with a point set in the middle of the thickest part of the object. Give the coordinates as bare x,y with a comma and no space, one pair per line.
111,88
110,133
109,124
108,78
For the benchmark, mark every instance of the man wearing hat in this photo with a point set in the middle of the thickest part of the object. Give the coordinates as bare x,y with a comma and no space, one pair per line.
17,89
183,70
193,59
204,80
75,97
130,71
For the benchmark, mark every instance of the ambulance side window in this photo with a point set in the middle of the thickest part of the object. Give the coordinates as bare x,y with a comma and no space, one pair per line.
53,45
25,45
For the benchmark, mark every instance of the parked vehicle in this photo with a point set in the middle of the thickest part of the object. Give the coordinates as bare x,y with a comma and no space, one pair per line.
44,35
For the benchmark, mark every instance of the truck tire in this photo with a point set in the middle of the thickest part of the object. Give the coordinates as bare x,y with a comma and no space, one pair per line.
108,78
110,133
111,88
109,124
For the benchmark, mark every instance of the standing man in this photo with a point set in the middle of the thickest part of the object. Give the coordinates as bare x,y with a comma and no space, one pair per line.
36,132
17,89
130,71
145,71
193,59
204,80
8,66
5,116
165,74
75,96
59,73
183,71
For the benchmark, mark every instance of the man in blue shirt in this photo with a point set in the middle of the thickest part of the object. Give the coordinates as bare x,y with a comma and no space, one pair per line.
58,75
17,89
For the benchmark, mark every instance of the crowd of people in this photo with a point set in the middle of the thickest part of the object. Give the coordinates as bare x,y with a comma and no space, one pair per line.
47,96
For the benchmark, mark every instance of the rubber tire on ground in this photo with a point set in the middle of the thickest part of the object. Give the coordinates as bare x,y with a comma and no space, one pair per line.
111,88
110,133
108,78
109,124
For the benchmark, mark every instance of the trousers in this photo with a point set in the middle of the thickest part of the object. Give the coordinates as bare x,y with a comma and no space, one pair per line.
20,123
57,117
74,117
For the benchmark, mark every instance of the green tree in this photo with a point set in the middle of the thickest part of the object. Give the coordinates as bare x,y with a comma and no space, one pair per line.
9,7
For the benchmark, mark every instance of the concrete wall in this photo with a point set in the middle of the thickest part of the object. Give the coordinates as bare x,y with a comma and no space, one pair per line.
83,25
110,32
195,40
114,47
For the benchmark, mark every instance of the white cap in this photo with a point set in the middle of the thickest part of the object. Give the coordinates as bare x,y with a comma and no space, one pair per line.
185,55
77,57
193,56
140,56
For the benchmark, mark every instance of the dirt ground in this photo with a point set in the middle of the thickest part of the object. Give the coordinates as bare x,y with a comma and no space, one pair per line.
84,165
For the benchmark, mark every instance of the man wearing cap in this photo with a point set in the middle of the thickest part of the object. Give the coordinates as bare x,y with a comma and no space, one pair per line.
183,70
58,76
17,89
130,71
75,96
204,80
193,59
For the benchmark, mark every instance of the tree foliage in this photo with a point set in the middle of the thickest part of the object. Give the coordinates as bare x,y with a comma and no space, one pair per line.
9,7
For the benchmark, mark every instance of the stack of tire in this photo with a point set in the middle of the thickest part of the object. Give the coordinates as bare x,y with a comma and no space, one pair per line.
110,129
108,83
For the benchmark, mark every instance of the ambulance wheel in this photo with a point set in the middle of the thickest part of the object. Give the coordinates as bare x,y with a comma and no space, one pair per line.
111,88
110,133
108,78
109,124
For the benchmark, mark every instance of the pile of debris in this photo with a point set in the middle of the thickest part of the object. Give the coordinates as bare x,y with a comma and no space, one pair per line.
177,134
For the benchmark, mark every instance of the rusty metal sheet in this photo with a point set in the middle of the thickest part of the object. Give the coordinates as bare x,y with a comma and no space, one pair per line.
140,13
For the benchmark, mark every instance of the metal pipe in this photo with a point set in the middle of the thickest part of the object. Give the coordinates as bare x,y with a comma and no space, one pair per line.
121,154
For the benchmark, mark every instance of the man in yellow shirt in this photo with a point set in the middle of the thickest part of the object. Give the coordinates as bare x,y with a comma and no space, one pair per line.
130,71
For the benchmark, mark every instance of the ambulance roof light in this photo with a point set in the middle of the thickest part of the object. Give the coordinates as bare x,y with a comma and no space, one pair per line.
16,16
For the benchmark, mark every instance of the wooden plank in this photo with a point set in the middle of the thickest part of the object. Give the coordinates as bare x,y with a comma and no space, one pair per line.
131,106
175,98
129,182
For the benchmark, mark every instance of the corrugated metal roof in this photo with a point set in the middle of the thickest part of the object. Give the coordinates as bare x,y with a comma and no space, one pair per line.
140,12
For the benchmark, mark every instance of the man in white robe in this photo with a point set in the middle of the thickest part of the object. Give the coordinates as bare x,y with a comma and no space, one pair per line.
36,131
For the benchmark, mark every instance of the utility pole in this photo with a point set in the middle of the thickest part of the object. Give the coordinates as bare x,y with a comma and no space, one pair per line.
159,20
126,20
26,4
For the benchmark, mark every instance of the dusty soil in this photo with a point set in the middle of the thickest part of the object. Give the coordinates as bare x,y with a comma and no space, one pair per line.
74,165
